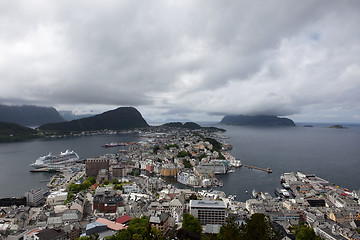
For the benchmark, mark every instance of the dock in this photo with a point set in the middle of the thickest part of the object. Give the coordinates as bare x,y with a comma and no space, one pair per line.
268,170
44,170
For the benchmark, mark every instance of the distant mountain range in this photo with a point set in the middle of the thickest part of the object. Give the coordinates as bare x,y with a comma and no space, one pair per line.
259,120
14,132
190,125
29,115
118,119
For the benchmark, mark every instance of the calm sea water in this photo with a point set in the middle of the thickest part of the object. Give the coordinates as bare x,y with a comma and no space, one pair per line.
333,154
15,177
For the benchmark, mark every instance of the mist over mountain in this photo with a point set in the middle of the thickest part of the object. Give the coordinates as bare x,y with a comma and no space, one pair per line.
117,119
69,115
258,120
29,115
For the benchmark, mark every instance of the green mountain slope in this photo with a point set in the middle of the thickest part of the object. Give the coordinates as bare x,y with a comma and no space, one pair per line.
14,132
117,119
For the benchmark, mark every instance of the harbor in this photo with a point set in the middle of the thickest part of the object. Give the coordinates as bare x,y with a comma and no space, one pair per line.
268,170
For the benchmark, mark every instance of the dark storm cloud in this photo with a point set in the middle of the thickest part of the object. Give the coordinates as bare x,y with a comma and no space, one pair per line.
177,57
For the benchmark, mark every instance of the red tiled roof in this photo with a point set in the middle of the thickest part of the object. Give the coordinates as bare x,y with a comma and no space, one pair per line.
33,231
112,225
123,219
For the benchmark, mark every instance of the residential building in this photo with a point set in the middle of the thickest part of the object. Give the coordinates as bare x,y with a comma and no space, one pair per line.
161,222
106,200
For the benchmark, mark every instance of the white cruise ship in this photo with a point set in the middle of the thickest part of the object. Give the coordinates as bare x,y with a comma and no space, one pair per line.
62,159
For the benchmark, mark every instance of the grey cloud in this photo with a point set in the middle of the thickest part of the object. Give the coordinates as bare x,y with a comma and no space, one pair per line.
178,57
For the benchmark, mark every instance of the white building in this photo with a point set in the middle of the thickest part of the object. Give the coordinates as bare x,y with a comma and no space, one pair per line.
34,197
57,198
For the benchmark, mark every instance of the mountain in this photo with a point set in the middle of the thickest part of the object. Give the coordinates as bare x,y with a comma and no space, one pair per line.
188,125
191,125
259,120
14,132
118,119
29,115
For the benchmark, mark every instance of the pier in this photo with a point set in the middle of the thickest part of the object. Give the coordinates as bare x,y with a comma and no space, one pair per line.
268,170
44,170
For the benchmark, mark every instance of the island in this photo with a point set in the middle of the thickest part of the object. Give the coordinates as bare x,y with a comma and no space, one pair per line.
258,120
192,126
338,126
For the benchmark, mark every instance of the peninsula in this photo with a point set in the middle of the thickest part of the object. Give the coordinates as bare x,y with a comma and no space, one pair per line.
10,132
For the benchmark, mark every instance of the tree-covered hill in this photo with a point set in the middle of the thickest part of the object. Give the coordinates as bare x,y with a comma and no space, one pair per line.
117,119
14,132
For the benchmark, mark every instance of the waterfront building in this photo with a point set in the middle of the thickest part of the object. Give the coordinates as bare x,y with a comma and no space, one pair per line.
94,165
169,170
215,166
35,197
188,178
208,212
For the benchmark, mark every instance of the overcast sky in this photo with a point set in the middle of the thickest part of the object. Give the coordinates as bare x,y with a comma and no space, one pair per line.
184,59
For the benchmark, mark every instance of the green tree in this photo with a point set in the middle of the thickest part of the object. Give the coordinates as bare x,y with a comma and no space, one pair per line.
138,229
106,182
191,224
184,234
91,179
303,232
114,181
183,154
187,163
156,148
94,236
215,143
258,227
230,230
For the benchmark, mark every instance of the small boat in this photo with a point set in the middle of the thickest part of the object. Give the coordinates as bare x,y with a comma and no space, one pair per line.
282,193
285,185
112,144
254,193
